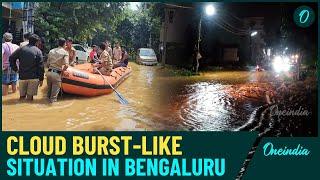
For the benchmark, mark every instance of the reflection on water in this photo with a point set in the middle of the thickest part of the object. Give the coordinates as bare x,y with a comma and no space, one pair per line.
206,106
203,106
156,102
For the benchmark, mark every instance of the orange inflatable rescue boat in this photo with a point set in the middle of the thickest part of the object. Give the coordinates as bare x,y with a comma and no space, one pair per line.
81,80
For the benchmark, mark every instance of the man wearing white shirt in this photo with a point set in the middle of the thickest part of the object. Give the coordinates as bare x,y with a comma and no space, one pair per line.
9,77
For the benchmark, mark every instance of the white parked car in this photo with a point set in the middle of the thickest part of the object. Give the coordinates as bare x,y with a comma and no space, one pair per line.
82,53
146,56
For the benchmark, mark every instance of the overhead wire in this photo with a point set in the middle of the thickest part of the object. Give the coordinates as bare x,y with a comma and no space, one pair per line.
234,16
230,30
231,26
222,23
178,6
226,19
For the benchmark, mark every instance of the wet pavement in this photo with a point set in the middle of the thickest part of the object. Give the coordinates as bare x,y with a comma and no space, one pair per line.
241,100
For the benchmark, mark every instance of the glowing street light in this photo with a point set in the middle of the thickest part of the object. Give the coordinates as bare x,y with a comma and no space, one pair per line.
253,33
210,10
281,64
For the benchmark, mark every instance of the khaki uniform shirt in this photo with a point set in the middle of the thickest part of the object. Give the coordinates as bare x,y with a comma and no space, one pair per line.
72,54
106,60
58,57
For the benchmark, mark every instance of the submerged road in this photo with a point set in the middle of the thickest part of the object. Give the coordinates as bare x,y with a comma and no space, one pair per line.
158,100
88,113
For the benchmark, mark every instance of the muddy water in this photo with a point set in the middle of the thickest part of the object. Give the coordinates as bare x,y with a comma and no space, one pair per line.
82,113
158,100
208,102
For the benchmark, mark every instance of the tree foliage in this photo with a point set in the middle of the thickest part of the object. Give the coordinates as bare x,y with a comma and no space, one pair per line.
94,22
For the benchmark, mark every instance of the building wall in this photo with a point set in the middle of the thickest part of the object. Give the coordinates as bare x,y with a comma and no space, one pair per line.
12,23
182,32
6,4
178,21
14,19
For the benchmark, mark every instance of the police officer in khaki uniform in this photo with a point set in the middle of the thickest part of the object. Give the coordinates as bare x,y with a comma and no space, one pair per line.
71,50
58,60
106,62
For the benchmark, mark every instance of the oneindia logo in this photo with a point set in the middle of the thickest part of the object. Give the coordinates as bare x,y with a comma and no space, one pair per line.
304,16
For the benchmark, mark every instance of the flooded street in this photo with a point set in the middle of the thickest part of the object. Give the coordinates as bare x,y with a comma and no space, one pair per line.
206,102
214,101
240,101
207,106
100,113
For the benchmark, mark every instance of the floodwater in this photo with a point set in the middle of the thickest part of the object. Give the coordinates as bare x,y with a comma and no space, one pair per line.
240,101
209,102
158,100
100,113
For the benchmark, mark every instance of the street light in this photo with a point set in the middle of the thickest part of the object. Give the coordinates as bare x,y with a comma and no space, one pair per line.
209,10
253,33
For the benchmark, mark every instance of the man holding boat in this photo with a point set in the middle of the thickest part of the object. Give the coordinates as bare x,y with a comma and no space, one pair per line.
58,61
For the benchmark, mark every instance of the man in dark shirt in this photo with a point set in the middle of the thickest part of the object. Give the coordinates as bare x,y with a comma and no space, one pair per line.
31,68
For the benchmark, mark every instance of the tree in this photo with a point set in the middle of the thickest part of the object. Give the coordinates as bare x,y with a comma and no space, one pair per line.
95,22
136,28
125,32
81,21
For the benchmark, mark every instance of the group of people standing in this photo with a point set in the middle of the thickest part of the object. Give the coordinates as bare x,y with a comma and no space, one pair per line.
105,58
26,64
26,59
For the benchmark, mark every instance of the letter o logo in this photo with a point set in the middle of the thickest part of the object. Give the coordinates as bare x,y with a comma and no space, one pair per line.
304,16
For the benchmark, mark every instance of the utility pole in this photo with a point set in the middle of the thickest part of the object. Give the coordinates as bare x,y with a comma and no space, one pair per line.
165,31
198,55
251,51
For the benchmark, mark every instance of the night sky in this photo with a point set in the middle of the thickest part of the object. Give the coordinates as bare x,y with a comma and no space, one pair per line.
214,37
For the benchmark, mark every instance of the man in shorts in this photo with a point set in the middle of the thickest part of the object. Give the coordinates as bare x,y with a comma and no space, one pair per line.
31,68
9,77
